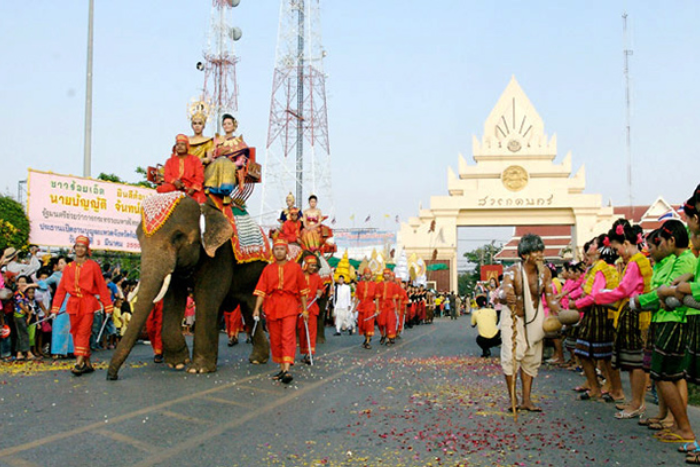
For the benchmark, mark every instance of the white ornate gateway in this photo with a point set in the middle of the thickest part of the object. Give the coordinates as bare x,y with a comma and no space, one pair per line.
514,182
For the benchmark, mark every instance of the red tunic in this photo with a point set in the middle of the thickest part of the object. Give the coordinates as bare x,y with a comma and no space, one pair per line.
281,285
402,302
189,170
387,293
366,292
83,283
291,231
314,284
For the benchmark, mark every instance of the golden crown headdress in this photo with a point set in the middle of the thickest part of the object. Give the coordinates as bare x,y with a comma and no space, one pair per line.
198,109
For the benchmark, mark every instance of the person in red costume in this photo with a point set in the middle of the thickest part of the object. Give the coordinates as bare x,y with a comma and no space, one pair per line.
387,294
402,301
154,329
315,286
281,287
183,171
83,280
291,229
365,304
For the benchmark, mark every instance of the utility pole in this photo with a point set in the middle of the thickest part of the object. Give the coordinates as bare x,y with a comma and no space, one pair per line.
87,152
628,112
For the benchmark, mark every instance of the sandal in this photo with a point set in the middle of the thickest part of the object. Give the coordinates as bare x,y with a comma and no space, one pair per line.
625,414
693,457
648,421
586,396
286,377
658,426
581,389
278,375
78,370
671,437
694,447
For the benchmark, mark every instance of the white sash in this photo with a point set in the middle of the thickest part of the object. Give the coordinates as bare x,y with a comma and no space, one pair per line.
534,319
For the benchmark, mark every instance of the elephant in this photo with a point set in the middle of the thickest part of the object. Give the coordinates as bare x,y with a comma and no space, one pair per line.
180,255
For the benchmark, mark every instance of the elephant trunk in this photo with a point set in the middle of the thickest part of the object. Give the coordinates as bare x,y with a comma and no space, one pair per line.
152,287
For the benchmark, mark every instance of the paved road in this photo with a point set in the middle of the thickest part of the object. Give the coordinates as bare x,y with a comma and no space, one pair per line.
428,401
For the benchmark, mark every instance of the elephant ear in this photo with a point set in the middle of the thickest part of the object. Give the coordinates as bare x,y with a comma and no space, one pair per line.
216,230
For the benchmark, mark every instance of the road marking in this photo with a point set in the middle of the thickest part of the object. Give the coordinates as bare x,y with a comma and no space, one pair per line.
263,390
219,429
183,417
221,400
128,440
5,453
17,462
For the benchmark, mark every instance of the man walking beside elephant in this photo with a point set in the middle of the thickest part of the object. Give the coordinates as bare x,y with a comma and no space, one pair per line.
280,288
83,280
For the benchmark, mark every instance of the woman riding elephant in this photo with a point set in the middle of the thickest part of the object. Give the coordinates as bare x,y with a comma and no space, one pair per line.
184,244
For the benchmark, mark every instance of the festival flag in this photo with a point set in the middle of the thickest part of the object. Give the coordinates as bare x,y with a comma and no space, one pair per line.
387,216
333,221
397,219
352,217
368,218
668,215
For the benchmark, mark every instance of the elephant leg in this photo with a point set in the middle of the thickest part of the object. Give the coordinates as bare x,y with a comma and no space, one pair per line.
261,346
212,284
175,350
138,320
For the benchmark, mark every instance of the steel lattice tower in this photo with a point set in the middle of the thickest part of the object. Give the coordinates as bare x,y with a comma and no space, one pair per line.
219,66
297,156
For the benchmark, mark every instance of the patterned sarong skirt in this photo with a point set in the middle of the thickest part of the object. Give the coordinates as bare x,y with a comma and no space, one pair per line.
668,358
692,372
595,335
628,348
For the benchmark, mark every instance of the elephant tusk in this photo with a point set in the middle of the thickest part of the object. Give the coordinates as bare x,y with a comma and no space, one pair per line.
164,289
202,226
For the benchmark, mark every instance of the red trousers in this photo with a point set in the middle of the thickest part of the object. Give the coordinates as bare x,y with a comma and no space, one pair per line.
301,331
365,328
154,328
421,310
234,322
402,314
283,342
81,329
391,321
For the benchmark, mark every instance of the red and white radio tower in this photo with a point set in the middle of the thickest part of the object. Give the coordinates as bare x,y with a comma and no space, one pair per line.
220,90
297,156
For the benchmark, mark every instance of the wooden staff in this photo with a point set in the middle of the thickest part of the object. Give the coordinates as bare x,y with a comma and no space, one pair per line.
513,397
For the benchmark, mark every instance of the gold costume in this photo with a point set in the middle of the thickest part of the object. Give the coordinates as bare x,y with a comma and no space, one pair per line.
201,148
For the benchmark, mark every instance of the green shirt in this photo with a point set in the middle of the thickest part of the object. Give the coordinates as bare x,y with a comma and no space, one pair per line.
684,264
695,289
661,276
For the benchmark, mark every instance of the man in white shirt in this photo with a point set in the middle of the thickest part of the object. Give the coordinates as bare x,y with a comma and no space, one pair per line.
342,305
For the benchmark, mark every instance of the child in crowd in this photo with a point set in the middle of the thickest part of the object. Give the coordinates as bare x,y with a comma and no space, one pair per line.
22,316
189,314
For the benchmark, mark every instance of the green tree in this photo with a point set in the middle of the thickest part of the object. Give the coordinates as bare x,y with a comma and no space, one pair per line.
109,178
482,256
14,224
116,179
